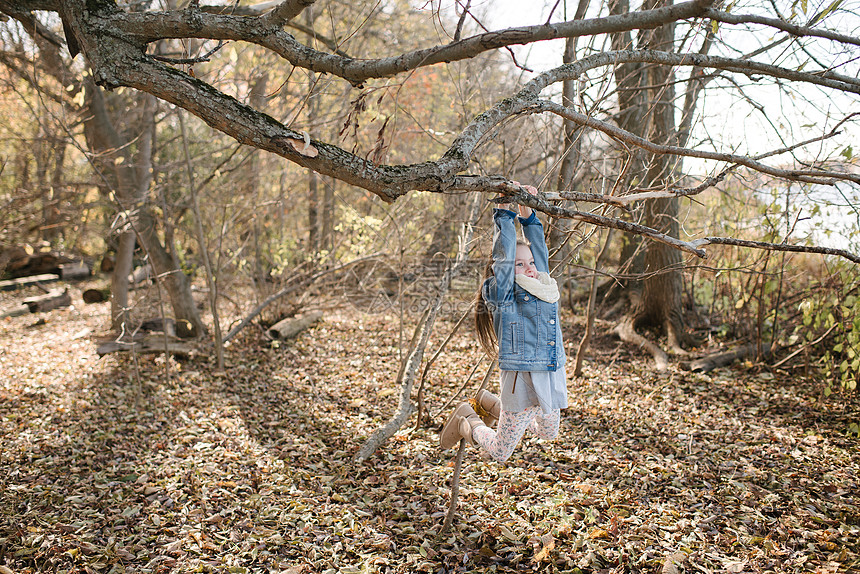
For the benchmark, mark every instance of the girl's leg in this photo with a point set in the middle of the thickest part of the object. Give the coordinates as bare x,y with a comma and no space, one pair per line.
546,426
500,443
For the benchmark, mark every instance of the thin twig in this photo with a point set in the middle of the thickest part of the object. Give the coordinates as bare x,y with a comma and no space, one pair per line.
592,296
455,487
463,386
776,247
430,363
804,347
808,176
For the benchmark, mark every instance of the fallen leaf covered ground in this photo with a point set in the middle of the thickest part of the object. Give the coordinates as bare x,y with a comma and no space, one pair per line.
137,464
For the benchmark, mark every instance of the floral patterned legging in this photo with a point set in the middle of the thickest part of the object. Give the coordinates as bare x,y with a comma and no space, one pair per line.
500,443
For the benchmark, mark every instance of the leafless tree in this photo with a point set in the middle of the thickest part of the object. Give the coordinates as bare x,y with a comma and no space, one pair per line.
641,52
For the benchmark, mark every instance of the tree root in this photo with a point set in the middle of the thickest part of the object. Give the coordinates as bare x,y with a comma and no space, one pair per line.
628,334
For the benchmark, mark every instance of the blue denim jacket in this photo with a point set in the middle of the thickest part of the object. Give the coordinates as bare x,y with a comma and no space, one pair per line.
527,328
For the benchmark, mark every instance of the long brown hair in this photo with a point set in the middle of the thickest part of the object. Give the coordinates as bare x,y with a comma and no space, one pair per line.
484,317
484,314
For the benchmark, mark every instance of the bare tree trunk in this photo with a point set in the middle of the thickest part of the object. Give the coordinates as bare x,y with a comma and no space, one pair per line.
176,283
251,182
444,238
119,301
328,214
592,297
313,213
54,215
661,302
48,152
559,228
630,82
313,178
106,143
41,153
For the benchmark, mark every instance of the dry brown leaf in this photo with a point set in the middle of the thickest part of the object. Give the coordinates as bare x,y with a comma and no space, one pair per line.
584,488
598,533
548,544
303,147
672,563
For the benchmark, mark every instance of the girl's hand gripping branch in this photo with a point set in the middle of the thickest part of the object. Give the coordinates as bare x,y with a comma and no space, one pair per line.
524,210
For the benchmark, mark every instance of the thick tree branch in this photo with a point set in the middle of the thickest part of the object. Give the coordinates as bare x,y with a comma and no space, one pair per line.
147,27
611,223
285,12
521,196
117,62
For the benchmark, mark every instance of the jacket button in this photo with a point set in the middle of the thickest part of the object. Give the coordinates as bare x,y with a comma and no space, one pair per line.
552,343
526,298
552,321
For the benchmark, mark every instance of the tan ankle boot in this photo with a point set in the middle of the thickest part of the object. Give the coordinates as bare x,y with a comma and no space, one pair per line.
468,424
460,425
489,406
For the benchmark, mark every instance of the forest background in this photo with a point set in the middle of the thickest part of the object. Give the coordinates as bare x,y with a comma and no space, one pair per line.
229,180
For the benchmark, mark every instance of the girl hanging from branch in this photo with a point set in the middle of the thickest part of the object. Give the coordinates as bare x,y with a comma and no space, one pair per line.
516,315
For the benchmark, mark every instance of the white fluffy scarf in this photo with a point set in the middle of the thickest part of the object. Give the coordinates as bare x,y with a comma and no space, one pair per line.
544,287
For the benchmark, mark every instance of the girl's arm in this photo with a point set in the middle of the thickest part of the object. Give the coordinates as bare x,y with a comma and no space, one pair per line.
504,255
533,232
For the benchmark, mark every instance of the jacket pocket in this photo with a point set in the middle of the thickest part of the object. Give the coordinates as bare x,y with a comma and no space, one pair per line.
515,343
527,304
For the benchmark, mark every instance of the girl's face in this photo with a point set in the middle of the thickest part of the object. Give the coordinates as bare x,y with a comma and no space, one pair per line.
524,264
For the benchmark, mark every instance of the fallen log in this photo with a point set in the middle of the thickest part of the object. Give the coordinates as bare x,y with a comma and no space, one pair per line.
717,360
75,270
159,324
149,343
140,276
36,264
16,311
53,300
13,284
292,326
